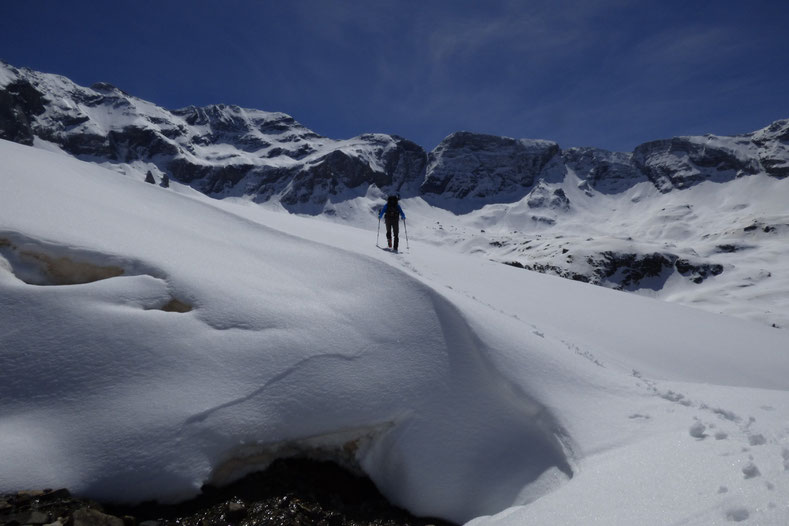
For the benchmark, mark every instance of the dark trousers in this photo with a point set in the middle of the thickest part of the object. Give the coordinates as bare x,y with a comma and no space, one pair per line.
393,227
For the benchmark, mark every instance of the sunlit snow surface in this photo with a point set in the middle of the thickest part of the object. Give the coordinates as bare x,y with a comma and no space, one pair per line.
154,339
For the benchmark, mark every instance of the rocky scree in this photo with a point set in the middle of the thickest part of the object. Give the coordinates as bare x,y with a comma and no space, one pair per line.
295,491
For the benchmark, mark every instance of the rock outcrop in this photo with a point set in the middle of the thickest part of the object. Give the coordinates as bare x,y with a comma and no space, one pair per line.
221,150
603,171
290,491
682,162
487,168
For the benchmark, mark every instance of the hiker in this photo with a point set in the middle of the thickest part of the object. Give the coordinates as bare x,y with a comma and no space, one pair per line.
389,212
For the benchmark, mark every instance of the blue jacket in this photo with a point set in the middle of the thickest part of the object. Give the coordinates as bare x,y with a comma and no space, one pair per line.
383,211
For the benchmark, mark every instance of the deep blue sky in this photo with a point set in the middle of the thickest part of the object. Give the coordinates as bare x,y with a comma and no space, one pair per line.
607,73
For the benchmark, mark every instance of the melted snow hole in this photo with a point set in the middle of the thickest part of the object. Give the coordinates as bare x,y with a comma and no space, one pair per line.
34,264
45,264
341,448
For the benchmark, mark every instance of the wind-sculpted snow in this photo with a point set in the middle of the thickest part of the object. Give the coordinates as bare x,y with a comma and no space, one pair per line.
288,340
630,381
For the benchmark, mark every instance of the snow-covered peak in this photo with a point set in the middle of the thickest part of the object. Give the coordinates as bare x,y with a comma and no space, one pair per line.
773,143
778,130
225,150
219,149
8,74
221,117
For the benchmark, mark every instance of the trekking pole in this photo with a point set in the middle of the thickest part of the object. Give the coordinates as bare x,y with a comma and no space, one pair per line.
405,226
379,232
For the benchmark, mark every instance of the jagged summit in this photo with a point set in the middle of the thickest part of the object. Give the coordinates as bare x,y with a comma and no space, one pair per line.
219,149
225,150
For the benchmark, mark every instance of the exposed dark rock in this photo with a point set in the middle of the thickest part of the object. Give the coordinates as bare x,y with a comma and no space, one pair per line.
697,272
42,507
20,101
773,143
543,197
404,166
550,269
292,491
544,220
289,492
629,270
767,229
607,172
682,162
176,305
475,166
93,517
727,248
133,143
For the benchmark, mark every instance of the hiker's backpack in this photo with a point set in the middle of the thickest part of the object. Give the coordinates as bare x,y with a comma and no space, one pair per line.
392,210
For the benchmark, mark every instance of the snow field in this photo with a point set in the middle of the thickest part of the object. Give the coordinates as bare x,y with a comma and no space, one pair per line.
283,345
679,392
741,225
465,388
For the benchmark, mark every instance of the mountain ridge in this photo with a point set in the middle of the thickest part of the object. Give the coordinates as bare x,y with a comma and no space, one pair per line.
225,150
699,219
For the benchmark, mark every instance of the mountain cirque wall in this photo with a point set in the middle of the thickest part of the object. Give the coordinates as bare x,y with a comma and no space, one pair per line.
220,150
225,150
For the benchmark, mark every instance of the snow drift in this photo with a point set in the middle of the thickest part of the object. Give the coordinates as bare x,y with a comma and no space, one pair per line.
463,387
288,341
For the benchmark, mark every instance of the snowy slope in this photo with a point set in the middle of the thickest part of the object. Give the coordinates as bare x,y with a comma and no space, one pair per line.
721,248
699,220
465,388
283,349
696,220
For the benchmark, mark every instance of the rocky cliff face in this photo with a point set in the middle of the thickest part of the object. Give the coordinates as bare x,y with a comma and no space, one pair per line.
221,150
772,145
486,168
603,171
231,151
682,162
